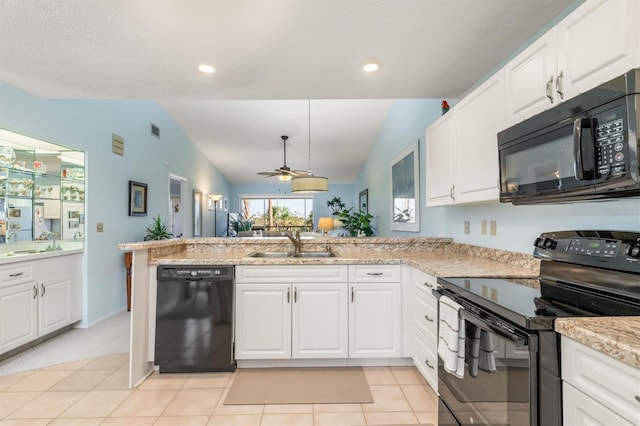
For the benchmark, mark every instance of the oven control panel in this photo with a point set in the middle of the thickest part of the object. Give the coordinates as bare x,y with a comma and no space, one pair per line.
594,247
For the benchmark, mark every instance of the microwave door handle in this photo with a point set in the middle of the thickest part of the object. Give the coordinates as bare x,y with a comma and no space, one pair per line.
580,148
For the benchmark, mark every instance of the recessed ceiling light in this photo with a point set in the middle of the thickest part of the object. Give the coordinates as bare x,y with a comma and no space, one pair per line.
207,69
371,66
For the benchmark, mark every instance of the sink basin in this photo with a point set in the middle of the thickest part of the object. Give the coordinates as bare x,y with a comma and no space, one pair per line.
271,254
315,254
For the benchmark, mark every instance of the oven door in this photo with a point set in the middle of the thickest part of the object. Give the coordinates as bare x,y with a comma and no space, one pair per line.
504,396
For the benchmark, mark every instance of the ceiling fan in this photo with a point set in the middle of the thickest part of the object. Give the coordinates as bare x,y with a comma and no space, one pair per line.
284,173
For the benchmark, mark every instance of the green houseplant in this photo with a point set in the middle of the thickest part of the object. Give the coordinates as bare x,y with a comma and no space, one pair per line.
157,231
356,223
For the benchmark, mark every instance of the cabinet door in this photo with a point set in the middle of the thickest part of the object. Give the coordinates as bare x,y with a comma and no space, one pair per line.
479,118
375,327
55,304
320,321
263,321
580,410
527,78
597,42
439,161
18,315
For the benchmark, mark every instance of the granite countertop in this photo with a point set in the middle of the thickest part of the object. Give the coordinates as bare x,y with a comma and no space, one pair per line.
618,337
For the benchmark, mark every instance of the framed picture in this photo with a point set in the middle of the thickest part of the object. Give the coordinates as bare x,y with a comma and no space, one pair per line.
74,214
14,212
197,213
137,198
405,190
363,201
14,226
73,224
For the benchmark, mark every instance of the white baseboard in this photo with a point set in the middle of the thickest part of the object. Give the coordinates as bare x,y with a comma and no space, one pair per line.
83,323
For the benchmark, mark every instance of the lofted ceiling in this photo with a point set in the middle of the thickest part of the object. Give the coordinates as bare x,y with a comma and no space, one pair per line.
271,57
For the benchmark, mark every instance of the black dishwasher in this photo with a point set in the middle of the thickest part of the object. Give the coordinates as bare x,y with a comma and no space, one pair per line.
194,318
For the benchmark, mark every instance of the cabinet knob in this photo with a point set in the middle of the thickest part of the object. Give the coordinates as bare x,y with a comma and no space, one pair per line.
559,88
549,89
453,187
426,361
44,289
351,294
295,295
35,291
289,295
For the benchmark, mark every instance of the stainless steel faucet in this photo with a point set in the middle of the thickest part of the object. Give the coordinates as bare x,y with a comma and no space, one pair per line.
12,235
76,235
295,239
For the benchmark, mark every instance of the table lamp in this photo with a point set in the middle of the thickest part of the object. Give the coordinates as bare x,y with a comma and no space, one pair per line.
325,224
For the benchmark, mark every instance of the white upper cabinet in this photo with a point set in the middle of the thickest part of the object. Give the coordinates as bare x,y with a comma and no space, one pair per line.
596,43
462,148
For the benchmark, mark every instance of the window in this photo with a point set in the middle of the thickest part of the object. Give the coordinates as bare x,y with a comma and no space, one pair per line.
278,213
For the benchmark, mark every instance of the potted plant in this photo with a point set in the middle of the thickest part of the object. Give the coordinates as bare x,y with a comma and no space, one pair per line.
357,223
336,205
157,231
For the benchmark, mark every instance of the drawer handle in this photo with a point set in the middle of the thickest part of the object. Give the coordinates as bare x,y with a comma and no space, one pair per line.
351,294
549,92
295,295
44,289
35,291
637,398
375,274
289,295
16,275
428,319
426,361
428,285
559,88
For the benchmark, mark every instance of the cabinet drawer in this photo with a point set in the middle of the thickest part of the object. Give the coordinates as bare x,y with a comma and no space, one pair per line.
16,273
607,380
579,409
292,274
425,314
425,358
374,273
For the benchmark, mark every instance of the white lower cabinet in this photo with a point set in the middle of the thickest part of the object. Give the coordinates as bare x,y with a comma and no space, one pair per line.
38,297
318,312
425,326
598,389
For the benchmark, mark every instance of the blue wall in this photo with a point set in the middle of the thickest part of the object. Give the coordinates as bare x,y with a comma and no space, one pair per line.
88,125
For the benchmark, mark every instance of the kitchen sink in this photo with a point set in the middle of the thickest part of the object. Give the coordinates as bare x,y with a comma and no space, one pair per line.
271,254
311,254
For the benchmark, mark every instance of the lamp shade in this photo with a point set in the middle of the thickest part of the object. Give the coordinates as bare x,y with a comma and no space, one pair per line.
309,184
325,224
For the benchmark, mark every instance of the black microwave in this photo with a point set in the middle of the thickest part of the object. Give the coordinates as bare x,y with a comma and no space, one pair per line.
585,148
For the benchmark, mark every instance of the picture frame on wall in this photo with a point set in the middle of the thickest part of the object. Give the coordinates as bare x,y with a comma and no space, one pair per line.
363,201
405,190
137,198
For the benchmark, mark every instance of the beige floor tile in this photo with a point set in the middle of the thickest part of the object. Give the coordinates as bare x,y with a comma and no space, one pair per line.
96,404
12,379
11,401
39,381
222,409
25,422
207,381
107,362
408,376
287,420
74,365
46,405
193,402
429,417
337,408
81,380
235,420
379,376
287,408
129,421
145,403
60,421
118,380
420,397
394,418
164,381
182,421
386,398
338,419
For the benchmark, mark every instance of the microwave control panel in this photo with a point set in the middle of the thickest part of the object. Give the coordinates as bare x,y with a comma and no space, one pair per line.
610,148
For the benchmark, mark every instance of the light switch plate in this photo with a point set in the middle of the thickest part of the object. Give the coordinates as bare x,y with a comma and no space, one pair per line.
483,227
492,227
466,226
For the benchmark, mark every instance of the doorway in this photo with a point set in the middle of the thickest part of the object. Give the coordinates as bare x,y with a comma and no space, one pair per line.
176,204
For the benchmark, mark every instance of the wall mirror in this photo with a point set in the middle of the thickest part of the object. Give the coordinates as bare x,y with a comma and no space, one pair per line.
197,213
405,202
42,193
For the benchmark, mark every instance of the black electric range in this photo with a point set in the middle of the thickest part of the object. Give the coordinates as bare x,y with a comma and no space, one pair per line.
582,273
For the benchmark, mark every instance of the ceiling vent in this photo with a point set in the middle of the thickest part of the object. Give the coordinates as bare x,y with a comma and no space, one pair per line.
155,130
117,144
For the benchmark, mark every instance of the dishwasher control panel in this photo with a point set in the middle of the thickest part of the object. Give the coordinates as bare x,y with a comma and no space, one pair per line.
194,272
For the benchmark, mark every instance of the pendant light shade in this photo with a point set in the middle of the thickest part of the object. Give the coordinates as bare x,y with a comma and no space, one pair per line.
309,184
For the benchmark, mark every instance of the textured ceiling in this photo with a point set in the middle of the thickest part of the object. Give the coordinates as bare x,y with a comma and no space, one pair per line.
264,50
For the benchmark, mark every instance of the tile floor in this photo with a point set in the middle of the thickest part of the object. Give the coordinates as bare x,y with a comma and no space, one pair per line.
94,392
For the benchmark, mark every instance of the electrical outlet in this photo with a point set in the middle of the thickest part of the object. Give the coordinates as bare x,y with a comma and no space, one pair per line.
99,227
483,227
492,227
466,226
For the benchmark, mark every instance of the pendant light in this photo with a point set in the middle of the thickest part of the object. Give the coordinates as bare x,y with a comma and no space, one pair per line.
309,184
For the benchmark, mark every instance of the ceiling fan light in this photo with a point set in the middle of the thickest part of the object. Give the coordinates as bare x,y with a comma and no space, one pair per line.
284,178
309,185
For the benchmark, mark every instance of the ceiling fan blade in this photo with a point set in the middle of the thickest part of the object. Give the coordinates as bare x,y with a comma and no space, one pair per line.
269,173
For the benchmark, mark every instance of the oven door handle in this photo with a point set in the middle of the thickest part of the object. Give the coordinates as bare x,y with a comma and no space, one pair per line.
503,332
